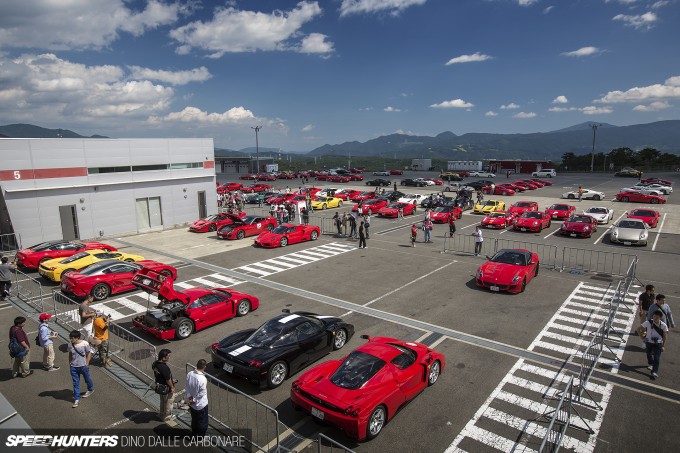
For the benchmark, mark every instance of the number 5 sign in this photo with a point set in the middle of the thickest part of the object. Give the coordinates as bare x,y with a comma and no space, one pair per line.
17,174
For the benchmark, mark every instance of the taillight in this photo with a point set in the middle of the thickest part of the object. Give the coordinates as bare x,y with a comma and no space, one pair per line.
352,412
296,386
255,363
215,346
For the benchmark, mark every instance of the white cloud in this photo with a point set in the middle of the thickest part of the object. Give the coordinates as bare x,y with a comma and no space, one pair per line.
560,100
234,30
660,4
403,132
592,110
196,115
510,106
524,115
308,128
653,107
468,58
547,9
526,2
670,89
639,22
393,7
389,108
582,52
491,113
454,103
78,24
365,109
562,109
173,78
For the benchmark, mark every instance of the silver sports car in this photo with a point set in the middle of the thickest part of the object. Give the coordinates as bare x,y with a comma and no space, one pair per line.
630,232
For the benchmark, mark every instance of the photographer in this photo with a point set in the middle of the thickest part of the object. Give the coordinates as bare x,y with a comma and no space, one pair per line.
164,381
101,337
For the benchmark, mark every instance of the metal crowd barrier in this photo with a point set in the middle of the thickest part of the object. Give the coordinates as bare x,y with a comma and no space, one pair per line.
10,243
589,358
29,290
561,421
325,224
465,243
547,253
242,414
612,263
326,444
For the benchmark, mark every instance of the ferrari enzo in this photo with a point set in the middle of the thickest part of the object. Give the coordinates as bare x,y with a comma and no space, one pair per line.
215,222
32,256
247,226
56,268
286,234
508,270
579,225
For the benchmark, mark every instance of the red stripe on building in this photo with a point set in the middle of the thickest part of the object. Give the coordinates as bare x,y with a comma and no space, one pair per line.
209,164
42,173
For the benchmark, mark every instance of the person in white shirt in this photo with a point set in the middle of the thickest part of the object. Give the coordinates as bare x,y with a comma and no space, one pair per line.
655,341
479,240
197,393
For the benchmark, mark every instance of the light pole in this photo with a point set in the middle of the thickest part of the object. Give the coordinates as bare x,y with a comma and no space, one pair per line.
592,154
604,166
257,146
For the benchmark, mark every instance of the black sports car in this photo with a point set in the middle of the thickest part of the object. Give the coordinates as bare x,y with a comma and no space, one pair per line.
412,182
392,195
378,182
280,347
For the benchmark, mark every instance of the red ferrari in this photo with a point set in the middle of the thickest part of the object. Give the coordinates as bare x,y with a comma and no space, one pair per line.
560,211
443,213
108,277
579,225
392,210
286,234
250,225
396,172
515,187
370,206
640,197
31,257
363,196
280,198
364,390
437,182
338,178
248,176
531,221
260,187
657,181
214,222
537,182
521,207
498,219
526,185
231,186
508,270
649,216
356,177
499,190
545,182
346,194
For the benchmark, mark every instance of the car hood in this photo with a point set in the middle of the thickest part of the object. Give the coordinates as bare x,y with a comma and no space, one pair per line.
557,212
518,210
597,216
494,220
200,223
576,226
500,272
643,218
526,221
242,352
632,234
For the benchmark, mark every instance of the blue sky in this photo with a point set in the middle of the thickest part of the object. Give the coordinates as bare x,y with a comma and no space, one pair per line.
329,71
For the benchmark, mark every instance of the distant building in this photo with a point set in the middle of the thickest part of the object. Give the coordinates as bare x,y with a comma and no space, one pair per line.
464,165
518,166
421,164
227,168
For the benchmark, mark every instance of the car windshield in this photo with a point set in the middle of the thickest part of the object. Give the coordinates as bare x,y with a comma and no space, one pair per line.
363,194
394,206
597,211
73,258
532,215
523,204
497,215
356,370
580,219
248,219
515,257
490,203
281,229
443,209
642,213
267,334
558,207
44,245
96,268
631,224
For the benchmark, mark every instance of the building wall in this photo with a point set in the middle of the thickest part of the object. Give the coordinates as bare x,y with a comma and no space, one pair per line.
467,165
421,164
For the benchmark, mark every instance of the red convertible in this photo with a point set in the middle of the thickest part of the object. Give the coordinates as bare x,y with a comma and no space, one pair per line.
214,222
346,194
363,196
521,207
531,221
109,277
508,270
649,216
443,213
31,257
639,197
248,226
364,390
560,211
286,234
498,219
370,206
392,210
579,225
179,314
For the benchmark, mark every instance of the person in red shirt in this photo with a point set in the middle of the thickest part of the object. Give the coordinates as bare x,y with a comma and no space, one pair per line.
414,234
452,224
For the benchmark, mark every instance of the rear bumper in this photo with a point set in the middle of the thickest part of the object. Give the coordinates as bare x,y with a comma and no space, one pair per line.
352,427
168,334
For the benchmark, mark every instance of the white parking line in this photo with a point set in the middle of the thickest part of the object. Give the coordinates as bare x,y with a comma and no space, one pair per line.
439,340
423,336
658,233
609,228
550,234
472,225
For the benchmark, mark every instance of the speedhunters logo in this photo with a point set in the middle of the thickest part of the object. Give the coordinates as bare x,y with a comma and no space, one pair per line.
61,441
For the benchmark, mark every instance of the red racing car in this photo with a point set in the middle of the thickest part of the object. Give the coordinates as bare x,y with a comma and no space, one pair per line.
363,196
346,194
356,177
286,234
649,216
508,270
531,221
108,277
396,172
443,213
392,210
579,225
260,187
361,392
250,225
498,219
500,189
521,207
657,181
560,211
247,176
280,198
640,197
338,178
32,256
370,206
214,222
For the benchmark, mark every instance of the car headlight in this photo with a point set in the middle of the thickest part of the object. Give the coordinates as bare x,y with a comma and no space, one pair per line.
643,235
615,233
480,274
586,228
535,223
515,278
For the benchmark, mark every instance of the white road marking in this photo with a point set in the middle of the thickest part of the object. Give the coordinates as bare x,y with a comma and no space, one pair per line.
658,232
550,234
423,336
439,340
609,228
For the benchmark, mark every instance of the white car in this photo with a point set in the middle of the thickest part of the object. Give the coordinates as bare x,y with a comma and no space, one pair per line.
482,174
641,189
547,173
425,181
410,198
587,195
381,173
328,192
660,188
600,213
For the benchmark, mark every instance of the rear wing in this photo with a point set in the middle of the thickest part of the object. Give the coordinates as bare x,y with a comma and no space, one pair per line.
152,282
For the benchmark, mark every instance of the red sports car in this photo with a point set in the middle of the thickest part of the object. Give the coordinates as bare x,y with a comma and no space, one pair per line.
266,177
443,213
560,211
508,270
363,196
526,185
657,181
311,190
521,207
515,187
285,175
649,216
338,178
361,392
321,176
248,176
286,234
356,170
579,225
31,257
247,226
370,206
179,314
640,197
545,182
214,222
531,221
108,277
356,177
437,182
537,182
259,187
396,172
499,190
346,194
498,219
392,209
231,186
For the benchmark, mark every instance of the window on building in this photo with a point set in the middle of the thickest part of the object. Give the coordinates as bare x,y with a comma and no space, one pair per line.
97,170
186,165
149,167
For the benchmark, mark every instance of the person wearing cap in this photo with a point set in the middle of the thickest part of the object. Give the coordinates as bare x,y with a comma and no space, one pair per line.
46,337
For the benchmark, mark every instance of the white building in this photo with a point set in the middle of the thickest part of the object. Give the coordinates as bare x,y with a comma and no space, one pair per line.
464,165
88,188
421,164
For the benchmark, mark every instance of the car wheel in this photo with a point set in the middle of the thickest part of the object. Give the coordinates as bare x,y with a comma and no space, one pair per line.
339,203
624,199
241,234
129,260
433,375
167,273
284,242
340,339
524,284
376,422
654,201
571,196
183,327
538,267
212,227
314,236
100,291
596,197
243,307
277,374
323,206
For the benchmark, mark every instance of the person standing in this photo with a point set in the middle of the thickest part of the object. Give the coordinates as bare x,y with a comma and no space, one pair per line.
414,234
400,212
86,316
427,229
197,397
415,207
46,337
367,223
101,335
344,224
352,225
6,270
79,356
452,224
493,188
645,300
656,332
395,186
580,193
479,240
338,223
362,235
22,362
666,314
163,376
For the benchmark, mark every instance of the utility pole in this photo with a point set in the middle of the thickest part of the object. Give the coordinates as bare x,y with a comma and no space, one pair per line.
349,161
257,146
592,154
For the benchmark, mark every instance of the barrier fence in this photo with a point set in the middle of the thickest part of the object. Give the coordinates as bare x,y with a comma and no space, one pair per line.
325,224
242,414
10,243
547,253
589,358
583,260
561,421
29,290
326,444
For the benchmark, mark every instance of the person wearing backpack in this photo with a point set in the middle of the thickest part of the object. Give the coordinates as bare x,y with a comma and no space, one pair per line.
79,355
17,337
45,340
655,333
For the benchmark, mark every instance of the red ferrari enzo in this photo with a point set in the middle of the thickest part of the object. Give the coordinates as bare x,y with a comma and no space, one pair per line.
498,219
250,225
286,234
109,277
31,257
370,206
361,392
531,221
392,210
214,222
579,225
639,197
560,211
649,216
521,207
508,270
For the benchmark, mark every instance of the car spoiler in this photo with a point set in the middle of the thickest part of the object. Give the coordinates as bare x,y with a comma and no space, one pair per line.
152,282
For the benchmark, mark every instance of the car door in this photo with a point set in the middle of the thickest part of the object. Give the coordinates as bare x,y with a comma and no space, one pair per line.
408,374
313,339
295,234
120,276
211,309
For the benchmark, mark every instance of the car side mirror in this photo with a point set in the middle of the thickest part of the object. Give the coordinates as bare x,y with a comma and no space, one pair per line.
366,337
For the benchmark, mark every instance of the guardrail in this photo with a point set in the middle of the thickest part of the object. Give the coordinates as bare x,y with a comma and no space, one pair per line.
326,444
29,290
325,224
612,263
240,413
10,243
561,421
547,253
589,358
465,243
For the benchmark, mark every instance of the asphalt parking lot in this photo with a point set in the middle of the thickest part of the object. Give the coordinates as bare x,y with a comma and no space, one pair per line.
423,294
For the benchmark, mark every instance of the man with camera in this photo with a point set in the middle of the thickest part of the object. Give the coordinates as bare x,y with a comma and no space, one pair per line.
165,384
45,338
101,337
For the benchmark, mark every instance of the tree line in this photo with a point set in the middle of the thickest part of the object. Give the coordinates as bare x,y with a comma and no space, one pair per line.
647,159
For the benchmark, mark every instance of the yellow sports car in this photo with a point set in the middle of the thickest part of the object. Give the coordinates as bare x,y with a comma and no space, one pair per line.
447,174
54,269
326,202
489,206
